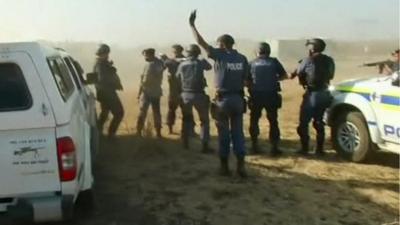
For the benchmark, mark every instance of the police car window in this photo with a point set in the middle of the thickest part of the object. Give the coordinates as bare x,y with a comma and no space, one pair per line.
14,92
73,72
61,77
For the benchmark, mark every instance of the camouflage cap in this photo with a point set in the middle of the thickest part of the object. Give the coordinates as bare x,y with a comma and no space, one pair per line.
318,44
150,51
177,47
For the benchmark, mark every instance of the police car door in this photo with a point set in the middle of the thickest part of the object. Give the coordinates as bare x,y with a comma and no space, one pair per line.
386,102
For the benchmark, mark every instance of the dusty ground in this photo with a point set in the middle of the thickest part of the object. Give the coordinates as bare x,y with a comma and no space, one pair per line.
146,181
156,182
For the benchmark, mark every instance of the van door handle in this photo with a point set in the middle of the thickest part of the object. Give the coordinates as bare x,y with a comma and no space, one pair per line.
45,110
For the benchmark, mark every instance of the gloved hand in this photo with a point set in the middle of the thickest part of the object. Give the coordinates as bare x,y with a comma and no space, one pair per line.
192,18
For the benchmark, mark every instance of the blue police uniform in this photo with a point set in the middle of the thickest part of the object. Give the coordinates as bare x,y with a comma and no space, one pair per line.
264,87
230,71
191,76
174,98
315,73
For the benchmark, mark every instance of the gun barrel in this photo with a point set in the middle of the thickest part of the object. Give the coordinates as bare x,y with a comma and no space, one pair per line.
377,63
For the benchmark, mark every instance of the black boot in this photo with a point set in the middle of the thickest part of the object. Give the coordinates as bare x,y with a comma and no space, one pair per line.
320,148
304,148
139,133
224,169
275,151
206,148
254,146
241,170
159,133
185,143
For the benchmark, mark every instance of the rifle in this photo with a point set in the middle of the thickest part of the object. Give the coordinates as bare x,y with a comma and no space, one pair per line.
381,64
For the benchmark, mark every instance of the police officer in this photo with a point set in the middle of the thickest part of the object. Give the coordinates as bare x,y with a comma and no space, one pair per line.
230,71
107,85
315,73
264,87
395,65
150,91
192,82
174,98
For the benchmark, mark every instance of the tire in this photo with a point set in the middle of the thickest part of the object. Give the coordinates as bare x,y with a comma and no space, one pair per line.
68,209
94,142
350,137
86,200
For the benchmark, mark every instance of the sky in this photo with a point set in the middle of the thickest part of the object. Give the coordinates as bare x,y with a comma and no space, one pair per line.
140,22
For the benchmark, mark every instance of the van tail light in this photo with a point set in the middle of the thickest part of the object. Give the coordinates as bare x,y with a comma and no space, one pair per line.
66,152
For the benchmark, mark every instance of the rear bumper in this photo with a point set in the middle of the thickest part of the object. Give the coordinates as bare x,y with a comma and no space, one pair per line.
39,209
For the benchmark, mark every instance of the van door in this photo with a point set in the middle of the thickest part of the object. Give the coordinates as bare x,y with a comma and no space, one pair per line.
77,126
28,150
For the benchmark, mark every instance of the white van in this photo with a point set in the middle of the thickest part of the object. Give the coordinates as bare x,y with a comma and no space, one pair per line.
48,132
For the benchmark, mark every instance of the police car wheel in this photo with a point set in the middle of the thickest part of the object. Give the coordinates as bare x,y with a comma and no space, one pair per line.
350,137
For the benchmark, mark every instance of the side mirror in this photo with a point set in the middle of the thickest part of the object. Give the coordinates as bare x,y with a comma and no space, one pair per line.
91,78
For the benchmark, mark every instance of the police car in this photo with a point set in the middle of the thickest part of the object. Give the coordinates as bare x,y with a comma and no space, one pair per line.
365,117
47,133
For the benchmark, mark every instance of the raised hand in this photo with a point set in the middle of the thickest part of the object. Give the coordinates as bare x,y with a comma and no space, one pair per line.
192,18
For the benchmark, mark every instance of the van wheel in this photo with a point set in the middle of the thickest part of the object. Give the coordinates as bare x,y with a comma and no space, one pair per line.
86,200
94,142
350,137
68,209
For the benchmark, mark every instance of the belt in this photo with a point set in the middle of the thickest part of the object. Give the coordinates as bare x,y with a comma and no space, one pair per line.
193,92
225,93
313,89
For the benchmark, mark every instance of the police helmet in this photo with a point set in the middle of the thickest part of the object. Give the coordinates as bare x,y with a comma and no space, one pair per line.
227,40
193,50
264,48
177,47
318,43
103,49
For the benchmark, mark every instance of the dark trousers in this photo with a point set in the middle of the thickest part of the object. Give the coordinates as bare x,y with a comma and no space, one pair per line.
201,102
313,108
173,104
110,102
145,102
271,102
229,123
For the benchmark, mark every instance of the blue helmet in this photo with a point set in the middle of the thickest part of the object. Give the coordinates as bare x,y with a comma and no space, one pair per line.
103,49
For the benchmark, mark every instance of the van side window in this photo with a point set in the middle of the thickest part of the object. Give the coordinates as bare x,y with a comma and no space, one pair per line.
62,77
79,69
14,92
73,72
